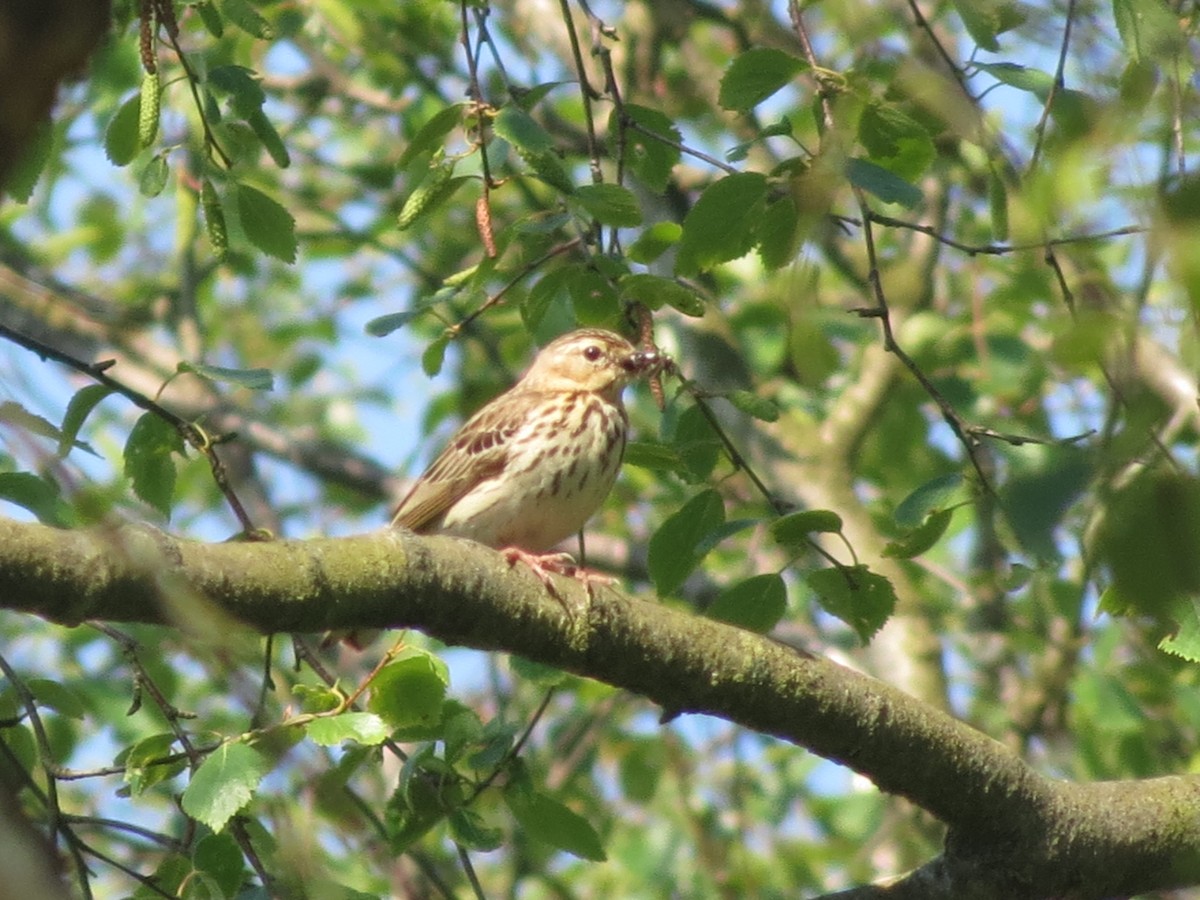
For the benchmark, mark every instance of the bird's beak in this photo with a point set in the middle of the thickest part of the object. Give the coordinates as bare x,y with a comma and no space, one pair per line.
643,362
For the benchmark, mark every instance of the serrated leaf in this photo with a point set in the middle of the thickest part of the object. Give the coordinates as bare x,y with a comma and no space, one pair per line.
609,204
885,185
654,242
429,136
362,728
985,20
553,823
673,552
755,75
246,95
23,176
267,225
794,529
148,462
254,379
78,409
224,784
937,493
779,233
753,405
1185,641
653,291
651,160
756,604
154,175
857,596
895,140
220,857
121,135
410,690
920,538
722,225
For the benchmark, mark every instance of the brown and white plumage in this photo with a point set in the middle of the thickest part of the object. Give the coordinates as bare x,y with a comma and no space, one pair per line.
531,466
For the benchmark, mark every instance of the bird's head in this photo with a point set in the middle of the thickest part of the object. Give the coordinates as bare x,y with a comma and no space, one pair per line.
590,359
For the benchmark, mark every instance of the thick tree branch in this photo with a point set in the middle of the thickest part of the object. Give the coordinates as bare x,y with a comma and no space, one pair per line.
1012,831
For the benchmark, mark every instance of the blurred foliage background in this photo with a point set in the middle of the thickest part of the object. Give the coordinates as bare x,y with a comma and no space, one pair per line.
929,274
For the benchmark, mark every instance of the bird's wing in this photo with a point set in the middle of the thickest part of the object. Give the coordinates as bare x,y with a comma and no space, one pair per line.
478,452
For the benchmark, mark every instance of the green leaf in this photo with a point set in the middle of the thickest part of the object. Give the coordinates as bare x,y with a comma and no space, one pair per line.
609,204
546,819
722,225
244,16
753,405
143,762
937,493
920,538
23,176
154,176
268,225
271,141
57,696
1036,500
755,75
469,831
429,136
654,242
220,857
895,140
779,233
434,355
534,145
857,596
430,194
1148,540
673,552
794,529
1034,81
254,379
998,205
78,409
1149,29
148,462
409,690
36,494
211,18
697,444
985,20
224,784
654,290
756,604
885,185
554,286
362,728
1185,641
656,457
121,135
651,160
246,95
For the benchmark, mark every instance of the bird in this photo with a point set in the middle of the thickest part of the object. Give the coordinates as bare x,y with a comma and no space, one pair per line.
529,468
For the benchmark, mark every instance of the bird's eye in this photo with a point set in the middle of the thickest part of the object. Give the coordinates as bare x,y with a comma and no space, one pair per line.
592,353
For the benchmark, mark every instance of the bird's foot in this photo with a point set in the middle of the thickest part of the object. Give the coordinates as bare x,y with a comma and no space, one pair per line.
544,565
